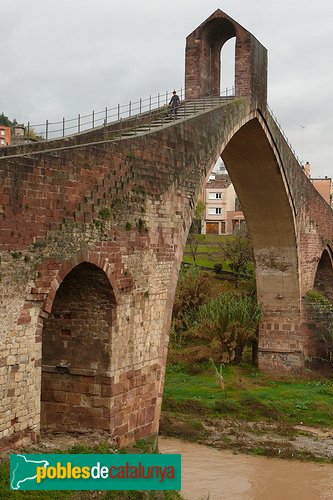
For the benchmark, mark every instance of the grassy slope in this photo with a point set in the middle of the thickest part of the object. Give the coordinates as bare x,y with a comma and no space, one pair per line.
207,253
251,395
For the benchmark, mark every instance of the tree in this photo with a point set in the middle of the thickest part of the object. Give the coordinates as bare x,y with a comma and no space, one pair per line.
198,213
195,229
238,250
5,121
32,135
193,243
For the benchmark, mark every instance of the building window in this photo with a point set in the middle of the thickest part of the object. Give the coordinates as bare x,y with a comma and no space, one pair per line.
2,132
223,227
215,211
2,142
214,196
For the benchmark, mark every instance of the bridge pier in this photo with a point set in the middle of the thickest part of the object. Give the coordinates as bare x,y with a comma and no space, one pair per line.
281,348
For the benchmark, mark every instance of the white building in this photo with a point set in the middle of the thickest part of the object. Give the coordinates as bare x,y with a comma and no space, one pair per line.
223,214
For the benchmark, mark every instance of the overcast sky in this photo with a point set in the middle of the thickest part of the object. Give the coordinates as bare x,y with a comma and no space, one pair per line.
74,56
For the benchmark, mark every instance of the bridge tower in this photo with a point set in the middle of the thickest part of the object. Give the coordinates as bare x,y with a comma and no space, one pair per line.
203,62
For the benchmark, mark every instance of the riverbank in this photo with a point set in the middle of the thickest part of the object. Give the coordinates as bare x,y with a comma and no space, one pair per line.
254,414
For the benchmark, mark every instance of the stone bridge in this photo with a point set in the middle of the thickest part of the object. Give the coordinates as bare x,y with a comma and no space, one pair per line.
93,228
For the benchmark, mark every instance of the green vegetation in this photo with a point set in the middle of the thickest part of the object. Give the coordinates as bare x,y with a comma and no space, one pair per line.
212,318
39,244
30,133
212,394
16,255
104,213
237,250
204,261
141,225
6,122
197,219
203,250
227,324
210,238
195,229
248,394
232,252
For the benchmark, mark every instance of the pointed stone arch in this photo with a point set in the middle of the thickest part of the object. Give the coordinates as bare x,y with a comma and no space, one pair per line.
257,174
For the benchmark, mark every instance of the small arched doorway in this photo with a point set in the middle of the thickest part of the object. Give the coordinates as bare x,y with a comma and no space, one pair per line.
76,353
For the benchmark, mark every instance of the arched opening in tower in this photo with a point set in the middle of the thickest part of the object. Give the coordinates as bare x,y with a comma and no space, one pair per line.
219,55
76,353
324,276
227,75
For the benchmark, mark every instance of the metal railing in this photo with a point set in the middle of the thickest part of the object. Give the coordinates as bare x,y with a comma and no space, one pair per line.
128,118
284,135
50,130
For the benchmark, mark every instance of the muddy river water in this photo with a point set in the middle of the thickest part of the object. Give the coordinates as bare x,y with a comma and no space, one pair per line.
222,475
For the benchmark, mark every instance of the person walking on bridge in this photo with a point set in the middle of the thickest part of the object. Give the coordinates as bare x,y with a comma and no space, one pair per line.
174,104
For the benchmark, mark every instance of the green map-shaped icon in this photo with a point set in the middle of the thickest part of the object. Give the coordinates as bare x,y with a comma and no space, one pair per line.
23,470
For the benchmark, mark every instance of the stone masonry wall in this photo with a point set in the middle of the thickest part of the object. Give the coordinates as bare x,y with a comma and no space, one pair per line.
125,208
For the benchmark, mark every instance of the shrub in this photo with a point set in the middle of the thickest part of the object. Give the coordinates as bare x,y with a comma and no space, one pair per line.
238,250
104,213
212,318
218,268
223,327
194,288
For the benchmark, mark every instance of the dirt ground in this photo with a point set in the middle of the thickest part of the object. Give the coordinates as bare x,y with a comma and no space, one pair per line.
284,441
258,438
51,442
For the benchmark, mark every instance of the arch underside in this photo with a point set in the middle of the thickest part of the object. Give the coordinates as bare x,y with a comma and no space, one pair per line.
262,191
76,352
258,178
